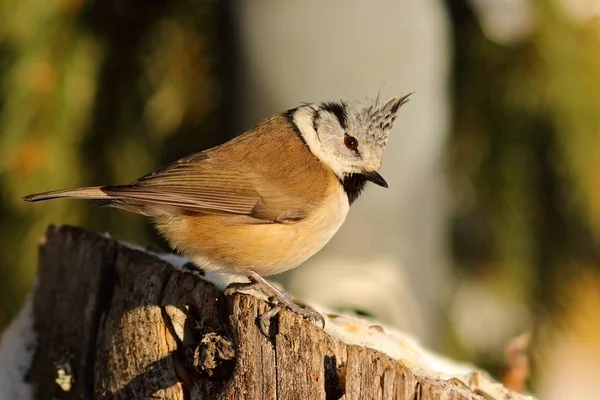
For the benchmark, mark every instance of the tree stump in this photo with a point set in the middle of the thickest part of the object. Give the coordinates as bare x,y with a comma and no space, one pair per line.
117,323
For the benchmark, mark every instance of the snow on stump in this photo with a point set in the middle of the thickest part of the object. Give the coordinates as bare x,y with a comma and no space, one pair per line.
108,321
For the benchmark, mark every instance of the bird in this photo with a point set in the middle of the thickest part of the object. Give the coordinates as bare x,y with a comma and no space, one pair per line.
267,200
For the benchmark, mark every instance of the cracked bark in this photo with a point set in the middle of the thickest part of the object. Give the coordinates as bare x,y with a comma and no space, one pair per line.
118,323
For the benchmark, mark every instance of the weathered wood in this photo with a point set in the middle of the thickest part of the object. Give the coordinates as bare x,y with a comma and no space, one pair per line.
118,323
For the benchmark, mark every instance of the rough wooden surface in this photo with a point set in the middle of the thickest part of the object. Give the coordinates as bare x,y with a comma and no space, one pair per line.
118,323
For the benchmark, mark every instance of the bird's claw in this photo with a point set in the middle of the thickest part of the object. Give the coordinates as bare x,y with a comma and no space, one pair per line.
236,287
265,324
279,297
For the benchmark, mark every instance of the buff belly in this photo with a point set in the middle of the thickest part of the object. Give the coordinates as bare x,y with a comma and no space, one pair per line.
218,243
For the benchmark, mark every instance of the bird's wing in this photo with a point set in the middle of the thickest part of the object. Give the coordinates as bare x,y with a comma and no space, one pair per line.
205,184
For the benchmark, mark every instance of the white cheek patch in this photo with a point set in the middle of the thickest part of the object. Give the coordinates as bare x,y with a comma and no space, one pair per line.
304,118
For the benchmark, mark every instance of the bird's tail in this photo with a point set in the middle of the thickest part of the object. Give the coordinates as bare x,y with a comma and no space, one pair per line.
90,193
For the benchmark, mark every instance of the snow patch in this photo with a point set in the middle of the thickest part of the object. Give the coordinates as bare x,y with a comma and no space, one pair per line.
17,348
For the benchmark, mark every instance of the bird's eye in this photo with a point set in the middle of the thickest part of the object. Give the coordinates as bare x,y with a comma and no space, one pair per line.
351,142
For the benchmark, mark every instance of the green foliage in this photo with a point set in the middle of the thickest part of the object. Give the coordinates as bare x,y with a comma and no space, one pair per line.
524,144
96,93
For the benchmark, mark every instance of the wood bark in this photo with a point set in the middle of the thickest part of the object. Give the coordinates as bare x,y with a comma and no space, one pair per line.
118,323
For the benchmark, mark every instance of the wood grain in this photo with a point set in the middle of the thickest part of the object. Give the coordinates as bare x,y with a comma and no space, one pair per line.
117,323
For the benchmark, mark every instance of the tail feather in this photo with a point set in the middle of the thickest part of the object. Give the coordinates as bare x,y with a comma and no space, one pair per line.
90,193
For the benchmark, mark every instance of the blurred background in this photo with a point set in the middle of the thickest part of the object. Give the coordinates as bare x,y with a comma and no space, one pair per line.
486,246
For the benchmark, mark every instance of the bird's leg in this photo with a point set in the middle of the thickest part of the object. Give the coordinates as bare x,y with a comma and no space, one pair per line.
265,318
281,298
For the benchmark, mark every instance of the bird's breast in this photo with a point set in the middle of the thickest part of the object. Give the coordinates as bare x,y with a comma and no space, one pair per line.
216,243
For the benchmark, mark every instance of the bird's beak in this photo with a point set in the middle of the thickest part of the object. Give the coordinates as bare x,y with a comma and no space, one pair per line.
377,179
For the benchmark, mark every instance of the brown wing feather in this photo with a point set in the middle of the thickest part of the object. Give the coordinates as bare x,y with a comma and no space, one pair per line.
217,181
198,185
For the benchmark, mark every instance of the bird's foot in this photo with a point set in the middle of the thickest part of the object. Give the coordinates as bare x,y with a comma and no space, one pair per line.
282,299
276,296
264,320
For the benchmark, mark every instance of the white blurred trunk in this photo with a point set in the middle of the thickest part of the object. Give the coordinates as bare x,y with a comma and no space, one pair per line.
393,241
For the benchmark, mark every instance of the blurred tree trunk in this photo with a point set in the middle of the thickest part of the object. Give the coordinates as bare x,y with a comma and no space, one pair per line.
392,238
